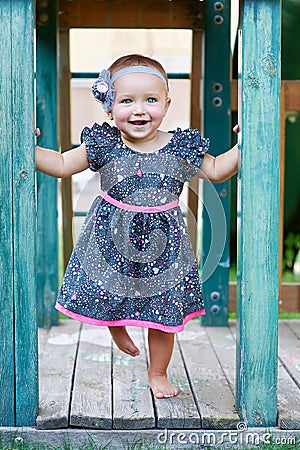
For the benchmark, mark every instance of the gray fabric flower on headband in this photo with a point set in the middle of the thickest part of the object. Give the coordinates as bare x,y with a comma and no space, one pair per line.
103,90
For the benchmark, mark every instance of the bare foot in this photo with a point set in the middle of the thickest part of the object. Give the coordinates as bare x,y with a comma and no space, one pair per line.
161,386
123,340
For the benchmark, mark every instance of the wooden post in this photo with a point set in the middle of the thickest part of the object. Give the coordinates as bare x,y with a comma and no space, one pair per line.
46,93
18,346
65,140
216,119
258,226
192,212
7,350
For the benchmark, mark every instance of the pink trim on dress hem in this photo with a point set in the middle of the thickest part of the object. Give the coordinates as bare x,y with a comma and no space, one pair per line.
129,322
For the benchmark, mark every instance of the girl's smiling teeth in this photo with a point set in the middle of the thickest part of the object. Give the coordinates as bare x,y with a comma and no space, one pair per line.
138,122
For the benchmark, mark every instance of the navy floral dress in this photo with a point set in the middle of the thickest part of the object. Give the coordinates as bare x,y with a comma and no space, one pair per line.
133,263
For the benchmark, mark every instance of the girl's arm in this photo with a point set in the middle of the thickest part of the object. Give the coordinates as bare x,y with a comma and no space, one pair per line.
220,168
61,165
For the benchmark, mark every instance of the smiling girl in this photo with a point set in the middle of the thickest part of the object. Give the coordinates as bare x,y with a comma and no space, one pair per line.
133,264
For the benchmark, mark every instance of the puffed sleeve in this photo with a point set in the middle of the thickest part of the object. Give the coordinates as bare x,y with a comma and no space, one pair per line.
98,140
190,148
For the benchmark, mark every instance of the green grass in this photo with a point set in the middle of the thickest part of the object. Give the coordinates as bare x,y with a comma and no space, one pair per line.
281,316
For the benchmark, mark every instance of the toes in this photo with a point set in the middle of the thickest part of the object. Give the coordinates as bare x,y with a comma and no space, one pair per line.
159,395
165,395
133,351
162,388
123,341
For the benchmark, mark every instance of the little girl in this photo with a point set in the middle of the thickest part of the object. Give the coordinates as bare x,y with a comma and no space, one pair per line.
133,263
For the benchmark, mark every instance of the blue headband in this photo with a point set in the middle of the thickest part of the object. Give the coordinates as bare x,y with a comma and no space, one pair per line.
104,91
139,69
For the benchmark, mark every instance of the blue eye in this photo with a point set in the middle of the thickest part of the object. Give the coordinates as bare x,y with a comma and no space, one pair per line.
151,100
127,101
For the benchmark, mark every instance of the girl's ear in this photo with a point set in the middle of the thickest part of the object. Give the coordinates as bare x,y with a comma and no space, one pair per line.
110,116
168,103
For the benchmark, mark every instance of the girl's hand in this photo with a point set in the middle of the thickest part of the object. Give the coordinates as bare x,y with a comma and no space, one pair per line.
37,132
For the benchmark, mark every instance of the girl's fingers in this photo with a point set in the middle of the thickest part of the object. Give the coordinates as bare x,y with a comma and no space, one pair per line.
236,129
37,132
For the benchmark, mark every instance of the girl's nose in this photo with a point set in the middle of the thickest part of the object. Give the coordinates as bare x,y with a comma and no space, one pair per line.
138,109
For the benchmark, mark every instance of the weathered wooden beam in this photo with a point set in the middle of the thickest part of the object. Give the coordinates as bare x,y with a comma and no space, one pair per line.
46,94
18,351
7,375
258,225
291,89
131,14
24,216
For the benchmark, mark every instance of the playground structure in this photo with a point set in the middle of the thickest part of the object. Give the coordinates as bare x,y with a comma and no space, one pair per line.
28,253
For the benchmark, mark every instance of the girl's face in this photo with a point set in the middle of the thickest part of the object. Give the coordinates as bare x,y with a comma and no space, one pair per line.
141,103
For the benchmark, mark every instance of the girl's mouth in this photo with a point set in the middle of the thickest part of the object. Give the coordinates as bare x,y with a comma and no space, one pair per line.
138,122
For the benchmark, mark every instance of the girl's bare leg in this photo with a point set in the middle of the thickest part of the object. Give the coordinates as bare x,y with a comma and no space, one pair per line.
160,349
123,340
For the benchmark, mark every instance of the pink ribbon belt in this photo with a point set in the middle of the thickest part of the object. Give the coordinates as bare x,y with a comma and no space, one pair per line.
145,209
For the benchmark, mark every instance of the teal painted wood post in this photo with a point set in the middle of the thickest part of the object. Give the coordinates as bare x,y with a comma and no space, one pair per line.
257,301
46,93
215,234
7,348
18,349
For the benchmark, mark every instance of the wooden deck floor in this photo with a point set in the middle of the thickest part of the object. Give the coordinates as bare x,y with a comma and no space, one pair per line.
86,382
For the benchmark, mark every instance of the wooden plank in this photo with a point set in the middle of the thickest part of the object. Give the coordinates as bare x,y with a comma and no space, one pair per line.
294,325
258,216
91,400
7,376
292,95
131,14
148,439
289,351
46,104
132,400
223,344
57,358
65,140
290,297
288,401
180,411
213,395
24,219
